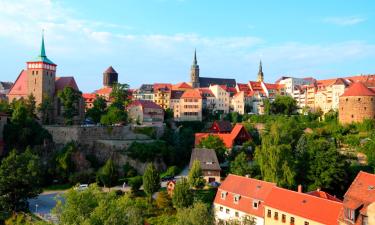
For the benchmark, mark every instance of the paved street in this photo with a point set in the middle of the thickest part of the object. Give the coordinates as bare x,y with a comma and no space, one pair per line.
45,201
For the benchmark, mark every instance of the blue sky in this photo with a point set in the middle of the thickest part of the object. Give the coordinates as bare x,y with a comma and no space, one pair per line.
153,41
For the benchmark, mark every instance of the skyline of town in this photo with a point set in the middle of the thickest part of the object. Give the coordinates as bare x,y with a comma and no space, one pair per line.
151,47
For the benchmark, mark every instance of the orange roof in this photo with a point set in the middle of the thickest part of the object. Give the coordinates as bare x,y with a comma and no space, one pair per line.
182,85
326,82
249,190
243,87
104,91
271,86
164,86
206,92
322,194
304,205
89,97
193,93
358,89
227,138
20,86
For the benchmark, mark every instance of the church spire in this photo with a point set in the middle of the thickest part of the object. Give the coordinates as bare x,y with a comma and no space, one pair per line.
194,71
195,62
43,50
260,72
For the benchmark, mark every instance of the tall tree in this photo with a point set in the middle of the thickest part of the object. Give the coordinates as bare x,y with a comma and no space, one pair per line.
198,214
45,109
240,166
195,176
98,109
151,180
31,105
182,195
284,105
108,174
120,95
70,99
20,179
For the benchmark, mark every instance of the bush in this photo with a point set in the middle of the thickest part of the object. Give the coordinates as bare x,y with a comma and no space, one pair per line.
149,131
170,172
135,183
129,171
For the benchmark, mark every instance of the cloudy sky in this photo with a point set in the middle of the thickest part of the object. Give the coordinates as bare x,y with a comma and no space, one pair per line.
154,40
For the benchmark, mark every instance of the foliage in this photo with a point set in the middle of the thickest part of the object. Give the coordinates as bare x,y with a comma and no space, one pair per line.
98,109
195,176
108,174
369,149
64,163
182,195
164,201
162,220
70,99
18,219
198,214
113,116
91,206
214,142
151,180
284,104
149,131
128,170
22,130
148,152
240,166
168,114
170,172
234,117
45,108
19,180
135,183
120,95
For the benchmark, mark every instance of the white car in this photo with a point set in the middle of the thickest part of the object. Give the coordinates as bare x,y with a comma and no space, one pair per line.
81,187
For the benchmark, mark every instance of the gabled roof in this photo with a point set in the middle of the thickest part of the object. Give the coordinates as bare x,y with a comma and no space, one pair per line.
104,91
207,81
89,97
207,158
110,70
62,82
222,125
323,194
361,192
163,87
193,93
182,85
248,189
358,89
304,205
206,92
243,87
20,86
145,104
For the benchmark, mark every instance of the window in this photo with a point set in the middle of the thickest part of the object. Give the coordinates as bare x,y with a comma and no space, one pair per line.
359,99
236,214
306,223
227,211
276,216
223,194
283,218
255,204
269,213
221,208
237,198
291,220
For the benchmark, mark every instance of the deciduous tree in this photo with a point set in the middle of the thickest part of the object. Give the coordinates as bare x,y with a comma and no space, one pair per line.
195,176
151,180
182,195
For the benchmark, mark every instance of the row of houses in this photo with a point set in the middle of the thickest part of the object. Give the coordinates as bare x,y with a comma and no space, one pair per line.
239,198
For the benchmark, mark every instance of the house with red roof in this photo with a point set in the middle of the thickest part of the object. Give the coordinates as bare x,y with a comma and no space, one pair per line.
284,206
236,137
142,111
89,99
189,107
357,104
240,197
162,94
359,201
221,126
39,79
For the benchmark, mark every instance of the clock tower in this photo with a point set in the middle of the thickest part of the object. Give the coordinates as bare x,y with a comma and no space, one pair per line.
41,74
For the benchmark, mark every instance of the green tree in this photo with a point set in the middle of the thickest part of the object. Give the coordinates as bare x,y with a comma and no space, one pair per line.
114,115
45,110
20,179
182,195
70,99
151,180
135,183
195,176
284,104
164,201
267,106
120,95
31,105
64,163
98,109
108,174
240,166
198,214
216,143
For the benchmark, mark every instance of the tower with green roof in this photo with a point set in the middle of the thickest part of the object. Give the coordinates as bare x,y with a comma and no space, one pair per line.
41,75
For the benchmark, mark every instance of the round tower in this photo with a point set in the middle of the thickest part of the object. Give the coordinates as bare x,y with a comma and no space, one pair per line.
110,77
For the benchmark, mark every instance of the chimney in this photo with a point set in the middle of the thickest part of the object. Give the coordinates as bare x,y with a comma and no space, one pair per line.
300,188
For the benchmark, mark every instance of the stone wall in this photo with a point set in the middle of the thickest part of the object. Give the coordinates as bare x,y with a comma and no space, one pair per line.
356,108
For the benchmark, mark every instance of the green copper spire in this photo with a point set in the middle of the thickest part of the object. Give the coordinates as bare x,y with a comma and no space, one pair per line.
42,57
43,50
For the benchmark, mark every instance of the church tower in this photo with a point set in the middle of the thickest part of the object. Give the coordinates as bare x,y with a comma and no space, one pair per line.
194,72
110,77
41,74
260,73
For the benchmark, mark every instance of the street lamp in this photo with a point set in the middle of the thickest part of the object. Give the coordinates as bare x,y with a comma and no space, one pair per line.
36,208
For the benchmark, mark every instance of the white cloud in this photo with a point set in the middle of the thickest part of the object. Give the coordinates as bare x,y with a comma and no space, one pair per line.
344,21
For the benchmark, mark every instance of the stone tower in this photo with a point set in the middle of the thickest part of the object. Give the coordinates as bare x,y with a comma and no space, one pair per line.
260,73
194,72
41,75
110,77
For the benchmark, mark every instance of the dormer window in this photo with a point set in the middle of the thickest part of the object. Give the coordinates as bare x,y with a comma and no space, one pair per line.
349,214
224,194
256,204
237,198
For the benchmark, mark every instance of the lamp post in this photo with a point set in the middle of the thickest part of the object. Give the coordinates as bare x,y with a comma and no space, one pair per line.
36,208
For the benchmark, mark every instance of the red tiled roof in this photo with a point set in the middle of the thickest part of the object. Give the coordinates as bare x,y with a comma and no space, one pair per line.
322,194
104,91
20,86
182,85
227,138
243,87
193,93
256,86
205,92
89,97
145,104
304,205
62,82
249,189
164,86
271,86
358,89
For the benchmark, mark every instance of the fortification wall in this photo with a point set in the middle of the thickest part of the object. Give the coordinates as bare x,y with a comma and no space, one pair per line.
356,108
